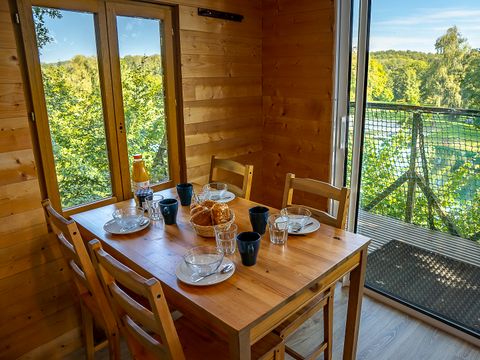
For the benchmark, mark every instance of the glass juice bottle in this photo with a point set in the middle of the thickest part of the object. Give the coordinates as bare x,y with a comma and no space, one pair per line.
140,177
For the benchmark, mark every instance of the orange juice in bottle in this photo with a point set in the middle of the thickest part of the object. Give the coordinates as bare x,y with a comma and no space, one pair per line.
140,177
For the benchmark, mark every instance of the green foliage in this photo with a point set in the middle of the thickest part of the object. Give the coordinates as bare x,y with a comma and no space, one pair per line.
471,81
143,103
75,112
378,89
449,78
445,75
41,31
74,106
452,150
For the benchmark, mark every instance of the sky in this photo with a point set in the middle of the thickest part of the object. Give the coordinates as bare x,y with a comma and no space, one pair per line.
395,24
74,34
416,24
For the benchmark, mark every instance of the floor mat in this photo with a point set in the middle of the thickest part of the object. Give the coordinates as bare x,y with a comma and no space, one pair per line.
440,285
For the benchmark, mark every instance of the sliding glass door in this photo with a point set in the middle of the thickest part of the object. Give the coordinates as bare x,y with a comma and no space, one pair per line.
412,159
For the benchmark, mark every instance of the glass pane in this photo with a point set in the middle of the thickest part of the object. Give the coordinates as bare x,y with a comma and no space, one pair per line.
420,185
139,42
66,44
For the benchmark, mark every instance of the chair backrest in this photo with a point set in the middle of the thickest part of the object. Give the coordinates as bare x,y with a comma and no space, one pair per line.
76,255
150,333
236,168
342,195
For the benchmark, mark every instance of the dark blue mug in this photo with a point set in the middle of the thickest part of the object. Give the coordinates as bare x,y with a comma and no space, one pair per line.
169,209
259,218
248,244
185,192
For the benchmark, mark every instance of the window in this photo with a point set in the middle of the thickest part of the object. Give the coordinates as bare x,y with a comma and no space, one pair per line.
103,89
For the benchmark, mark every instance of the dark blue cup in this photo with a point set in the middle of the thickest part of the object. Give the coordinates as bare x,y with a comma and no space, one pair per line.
259,218
248,244
169,209
185,192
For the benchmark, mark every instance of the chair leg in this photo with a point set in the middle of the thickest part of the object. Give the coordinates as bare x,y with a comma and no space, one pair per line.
87,323
114,346
328,325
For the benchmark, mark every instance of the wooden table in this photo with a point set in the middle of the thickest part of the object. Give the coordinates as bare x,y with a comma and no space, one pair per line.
255,299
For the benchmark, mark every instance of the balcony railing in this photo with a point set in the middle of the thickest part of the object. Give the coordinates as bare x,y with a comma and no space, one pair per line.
421,165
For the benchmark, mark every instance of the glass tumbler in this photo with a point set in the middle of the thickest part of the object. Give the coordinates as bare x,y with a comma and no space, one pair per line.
225,237
278,228
153,207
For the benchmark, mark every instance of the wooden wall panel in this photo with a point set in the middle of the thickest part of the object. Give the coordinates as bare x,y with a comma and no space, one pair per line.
221,83
35,296
298,58
222,89
258,91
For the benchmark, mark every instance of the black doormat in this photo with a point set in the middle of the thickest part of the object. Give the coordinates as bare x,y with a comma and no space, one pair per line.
435,283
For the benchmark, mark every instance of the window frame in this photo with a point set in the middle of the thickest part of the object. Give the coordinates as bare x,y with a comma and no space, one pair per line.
111,92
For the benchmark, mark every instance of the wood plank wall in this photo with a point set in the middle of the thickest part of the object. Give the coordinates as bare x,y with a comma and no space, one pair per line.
35,301
258,91
297,53
221,85
222,88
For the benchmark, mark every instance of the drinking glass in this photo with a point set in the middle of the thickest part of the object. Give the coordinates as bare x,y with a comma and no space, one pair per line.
215,190
278,227
225,237
153,207
297,216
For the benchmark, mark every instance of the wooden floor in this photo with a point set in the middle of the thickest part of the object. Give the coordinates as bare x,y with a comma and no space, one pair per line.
385,333
383,229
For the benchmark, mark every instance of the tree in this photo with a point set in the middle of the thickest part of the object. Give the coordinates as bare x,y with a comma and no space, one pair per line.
445,75
41,31
471,82
406,85
378,80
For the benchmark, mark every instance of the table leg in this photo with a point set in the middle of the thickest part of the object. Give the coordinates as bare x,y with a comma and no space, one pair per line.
240,346
357,280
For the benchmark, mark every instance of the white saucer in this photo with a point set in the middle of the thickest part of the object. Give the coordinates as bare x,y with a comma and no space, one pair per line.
307,229
227,197
184,274
112,227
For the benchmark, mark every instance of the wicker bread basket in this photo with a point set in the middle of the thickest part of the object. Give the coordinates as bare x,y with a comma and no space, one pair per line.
209,231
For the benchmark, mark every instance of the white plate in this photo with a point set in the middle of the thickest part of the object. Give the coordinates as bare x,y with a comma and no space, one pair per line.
112,227
185,274
229,196
307,229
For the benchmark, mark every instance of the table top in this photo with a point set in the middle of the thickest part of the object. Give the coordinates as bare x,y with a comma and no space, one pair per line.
281,272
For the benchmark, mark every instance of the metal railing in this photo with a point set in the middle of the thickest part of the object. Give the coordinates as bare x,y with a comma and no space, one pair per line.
422,165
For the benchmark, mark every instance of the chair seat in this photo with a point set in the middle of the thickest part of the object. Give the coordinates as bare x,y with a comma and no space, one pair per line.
290,325
201,343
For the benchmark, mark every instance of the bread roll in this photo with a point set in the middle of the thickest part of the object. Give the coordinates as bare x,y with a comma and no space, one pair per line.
220,213
203,217
196,209
209,203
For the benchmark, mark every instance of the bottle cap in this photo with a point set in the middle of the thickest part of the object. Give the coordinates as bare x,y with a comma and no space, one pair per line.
137,156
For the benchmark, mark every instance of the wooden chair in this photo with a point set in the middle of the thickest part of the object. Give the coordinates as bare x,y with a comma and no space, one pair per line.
234,167
93,302
324,300
342,195
152,333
